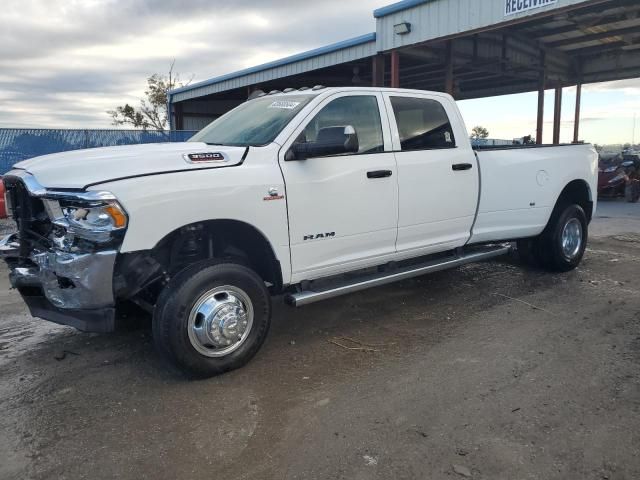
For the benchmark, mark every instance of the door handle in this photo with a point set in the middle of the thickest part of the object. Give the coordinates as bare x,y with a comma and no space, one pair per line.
379,174
461,166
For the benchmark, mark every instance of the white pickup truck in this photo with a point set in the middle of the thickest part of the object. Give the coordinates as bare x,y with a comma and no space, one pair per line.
308,193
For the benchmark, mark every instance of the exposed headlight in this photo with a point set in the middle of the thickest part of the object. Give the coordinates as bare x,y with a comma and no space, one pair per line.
91,220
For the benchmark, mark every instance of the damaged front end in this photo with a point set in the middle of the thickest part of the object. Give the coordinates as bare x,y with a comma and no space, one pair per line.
63,256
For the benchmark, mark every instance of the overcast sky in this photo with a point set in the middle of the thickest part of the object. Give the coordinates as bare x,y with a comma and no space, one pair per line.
63,63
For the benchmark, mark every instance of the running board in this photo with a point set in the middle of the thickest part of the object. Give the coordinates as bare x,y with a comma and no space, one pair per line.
311,296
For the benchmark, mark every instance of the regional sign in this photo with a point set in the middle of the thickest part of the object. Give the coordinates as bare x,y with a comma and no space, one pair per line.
517,6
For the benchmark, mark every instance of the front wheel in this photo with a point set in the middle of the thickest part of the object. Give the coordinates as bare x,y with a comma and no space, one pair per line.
212,317
561,246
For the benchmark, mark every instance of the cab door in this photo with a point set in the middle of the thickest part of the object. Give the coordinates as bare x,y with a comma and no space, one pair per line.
343,208
438,174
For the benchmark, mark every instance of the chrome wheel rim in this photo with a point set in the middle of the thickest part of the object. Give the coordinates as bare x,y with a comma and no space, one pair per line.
220,321
572,238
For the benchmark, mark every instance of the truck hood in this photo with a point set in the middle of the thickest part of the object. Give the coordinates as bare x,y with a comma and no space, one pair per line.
79,168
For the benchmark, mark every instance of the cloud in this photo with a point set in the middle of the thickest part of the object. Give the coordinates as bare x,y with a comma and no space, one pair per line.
64,62
628,87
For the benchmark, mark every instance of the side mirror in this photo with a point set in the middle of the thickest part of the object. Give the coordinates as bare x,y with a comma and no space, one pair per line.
330,141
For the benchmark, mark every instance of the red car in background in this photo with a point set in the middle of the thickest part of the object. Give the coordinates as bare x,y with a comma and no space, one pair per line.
619,177
611,180
3,206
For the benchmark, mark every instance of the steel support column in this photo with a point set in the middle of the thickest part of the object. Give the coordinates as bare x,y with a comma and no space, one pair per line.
540,124
395,69
179,116
541,87
576,122
448,82
557,115
378,71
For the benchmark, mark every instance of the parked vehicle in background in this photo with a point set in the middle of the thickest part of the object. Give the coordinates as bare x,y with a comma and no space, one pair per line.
611,178
618,177
3,204
631,162
311,193
632,187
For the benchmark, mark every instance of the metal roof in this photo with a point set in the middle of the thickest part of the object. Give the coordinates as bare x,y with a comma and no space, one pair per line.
397,7
496,51
346,47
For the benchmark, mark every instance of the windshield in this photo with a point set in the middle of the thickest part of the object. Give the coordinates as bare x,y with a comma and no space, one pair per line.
254,123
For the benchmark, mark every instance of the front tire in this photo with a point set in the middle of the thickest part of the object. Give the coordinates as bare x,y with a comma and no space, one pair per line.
212,317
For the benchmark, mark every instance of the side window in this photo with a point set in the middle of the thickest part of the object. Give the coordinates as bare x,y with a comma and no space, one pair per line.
360,112
422,124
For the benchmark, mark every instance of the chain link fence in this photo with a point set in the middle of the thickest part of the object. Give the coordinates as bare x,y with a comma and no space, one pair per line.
17,144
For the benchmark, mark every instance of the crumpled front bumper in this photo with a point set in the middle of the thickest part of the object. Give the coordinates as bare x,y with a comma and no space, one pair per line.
73,289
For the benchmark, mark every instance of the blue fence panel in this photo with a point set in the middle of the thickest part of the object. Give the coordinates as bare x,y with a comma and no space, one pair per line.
17,144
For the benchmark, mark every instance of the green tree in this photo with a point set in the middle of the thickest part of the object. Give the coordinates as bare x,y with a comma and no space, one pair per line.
479,133
152,111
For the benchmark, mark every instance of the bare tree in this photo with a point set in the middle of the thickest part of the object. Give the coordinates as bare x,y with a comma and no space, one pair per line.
479,133
152,112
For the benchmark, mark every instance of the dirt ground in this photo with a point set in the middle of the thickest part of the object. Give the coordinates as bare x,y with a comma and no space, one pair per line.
488,371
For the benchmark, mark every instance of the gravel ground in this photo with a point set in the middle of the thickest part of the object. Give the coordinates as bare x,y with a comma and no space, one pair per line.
6,227
489,371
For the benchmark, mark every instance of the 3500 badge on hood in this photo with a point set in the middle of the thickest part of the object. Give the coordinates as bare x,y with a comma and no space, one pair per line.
205,157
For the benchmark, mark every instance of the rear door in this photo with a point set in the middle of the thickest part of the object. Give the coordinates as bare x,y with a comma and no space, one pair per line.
343,209
437,173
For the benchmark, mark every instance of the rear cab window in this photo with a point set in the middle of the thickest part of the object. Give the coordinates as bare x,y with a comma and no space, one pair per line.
423,124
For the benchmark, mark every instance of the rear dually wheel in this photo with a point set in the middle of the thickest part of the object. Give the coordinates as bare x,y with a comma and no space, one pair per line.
561,246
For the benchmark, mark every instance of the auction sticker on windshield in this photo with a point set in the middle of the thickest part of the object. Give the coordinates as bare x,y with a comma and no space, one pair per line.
284,104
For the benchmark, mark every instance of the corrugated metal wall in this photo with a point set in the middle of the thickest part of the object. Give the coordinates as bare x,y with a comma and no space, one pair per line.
440,18
196,123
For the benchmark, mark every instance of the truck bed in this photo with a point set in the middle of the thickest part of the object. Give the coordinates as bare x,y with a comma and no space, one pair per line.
520,185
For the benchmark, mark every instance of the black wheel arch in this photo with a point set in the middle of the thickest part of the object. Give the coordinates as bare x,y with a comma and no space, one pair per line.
225,238
576,192
145,272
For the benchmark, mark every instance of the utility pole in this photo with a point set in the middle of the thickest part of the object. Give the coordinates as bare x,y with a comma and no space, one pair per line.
633,138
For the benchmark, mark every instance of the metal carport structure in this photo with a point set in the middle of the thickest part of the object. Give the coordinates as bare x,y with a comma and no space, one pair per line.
468,48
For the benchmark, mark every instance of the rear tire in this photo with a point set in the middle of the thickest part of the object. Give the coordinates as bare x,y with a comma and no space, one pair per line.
212,317
561,246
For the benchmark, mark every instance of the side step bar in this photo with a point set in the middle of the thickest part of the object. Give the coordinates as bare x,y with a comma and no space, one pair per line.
311,296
